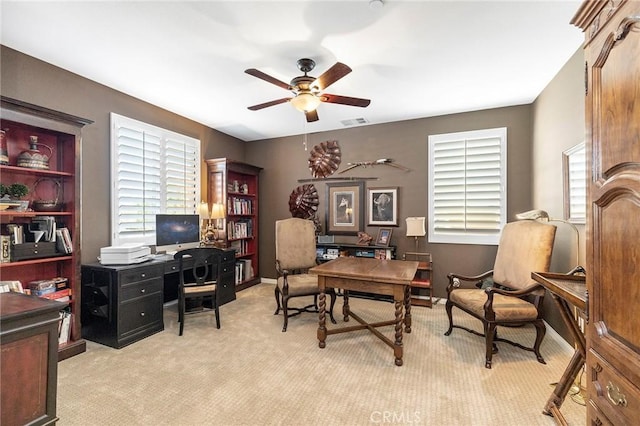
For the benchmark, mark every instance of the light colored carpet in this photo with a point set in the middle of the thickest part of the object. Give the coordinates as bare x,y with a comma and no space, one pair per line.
250,373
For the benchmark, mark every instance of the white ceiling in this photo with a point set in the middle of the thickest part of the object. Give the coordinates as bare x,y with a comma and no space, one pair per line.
413,59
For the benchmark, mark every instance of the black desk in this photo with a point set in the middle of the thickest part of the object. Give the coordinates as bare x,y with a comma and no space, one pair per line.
122,304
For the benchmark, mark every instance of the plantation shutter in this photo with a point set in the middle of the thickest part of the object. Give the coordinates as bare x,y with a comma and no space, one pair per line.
576,163
153,171
467,199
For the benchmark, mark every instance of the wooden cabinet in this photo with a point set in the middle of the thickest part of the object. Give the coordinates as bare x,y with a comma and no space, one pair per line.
235,185
612,67
59,182
29,359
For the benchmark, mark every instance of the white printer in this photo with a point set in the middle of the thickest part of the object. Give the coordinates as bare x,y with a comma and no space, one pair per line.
126,254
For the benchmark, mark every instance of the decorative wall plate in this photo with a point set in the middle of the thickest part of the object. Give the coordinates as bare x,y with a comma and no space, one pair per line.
325,159
303,201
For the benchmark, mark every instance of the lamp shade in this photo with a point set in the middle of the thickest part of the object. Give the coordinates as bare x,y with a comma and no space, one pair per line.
203,210
415,227
305,102
217,211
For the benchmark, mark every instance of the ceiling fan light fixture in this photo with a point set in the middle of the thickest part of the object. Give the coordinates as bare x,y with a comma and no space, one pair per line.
305,102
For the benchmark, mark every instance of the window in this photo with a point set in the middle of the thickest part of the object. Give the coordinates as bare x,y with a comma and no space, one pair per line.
467,186
153,171
574,162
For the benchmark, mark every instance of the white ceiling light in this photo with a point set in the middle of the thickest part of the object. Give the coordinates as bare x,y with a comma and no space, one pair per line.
305,102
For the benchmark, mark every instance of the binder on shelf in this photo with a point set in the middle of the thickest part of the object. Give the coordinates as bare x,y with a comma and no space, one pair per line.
65,327
5,247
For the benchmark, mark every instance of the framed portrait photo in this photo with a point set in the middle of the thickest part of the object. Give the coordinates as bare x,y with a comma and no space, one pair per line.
384,237
345,208
382,205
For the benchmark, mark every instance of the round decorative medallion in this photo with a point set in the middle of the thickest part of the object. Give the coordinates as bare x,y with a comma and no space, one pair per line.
325,159
303,201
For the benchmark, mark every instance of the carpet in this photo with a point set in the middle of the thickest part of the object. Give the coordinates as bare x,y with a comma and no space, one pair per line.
250,373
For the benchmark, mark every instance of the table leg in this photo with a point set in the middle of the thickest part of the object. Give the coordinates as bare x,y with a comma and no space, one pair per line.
407,309
322,325
345,306
397,345
575,365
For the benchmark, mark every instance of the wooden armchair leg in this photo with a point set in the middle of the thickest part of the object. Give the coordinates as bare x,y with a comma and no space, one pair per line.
449,308
277,294
540,332
489,332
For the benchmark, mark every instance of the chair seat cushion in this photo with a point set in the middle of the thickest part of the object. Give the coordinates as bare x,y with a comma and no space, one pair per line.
300,284
506,308
195,289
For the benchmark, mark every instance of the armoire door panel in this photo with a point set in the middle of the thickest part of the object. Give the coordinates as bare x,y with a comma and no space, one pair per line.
616,83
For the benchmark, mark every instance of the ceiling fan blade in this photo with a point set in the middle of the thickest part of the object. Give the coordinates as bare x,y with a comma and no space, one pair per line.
311,116
268,104
331,75
345,100
262,76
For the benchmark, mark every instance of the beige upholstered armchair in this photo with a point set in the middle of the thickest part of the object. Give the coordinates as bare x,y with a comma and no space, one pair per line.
513,298
295,255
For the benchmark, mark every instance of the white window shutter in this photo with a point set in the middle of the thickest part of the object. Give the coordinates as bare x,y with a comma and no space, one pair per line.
152,171
467,177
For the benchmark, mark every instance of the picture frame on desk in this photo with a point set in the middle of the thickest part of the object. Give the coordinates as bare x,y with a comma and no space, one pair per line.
382,205
345,208
384,237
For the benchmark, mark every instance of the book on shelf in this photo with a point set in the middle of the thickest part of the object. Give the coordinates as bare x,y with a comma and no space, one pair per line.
63,295
63,241
8,286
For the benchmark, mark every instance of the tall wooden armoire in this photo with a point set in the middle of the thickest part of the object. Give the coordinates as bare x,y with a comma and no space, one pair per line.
612,68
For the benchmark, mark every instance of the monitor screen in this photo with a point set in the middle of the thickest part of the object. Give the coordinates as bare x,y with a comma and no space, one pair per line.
177,232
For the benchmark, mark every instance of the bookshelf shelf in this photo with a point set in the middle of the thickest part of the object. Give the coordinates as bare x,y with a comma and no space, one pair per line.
61,134
235,185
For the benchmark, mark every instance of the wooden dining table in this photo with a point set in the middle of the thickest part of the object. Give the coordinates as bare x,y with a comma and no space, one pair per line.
382,277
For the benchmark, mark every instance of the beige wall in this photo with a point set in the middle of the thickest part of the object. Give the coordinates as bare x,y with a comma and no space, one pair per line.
37,82
285,161
559,124
537,135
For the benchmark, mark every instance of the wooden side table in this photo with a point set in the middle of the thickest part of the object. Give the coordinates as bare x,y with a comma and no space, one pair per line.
422,279
566,291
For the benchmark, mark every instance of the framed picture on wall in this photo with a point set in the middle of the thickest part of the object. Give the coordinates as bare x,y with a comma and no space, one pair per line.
382,206
345,208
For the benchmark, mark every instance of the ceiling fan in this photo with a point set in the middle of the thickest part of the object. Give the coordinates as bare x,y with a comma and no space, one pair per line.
307,90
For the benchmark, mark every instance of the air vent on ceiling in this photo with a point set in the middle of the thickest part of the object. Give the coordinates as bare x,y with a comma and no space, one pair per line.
354,122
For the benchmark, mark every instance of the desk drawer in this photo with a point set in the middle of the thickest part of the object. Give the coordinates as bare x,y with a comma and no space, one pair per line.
139,314
140,274
142,288
614,396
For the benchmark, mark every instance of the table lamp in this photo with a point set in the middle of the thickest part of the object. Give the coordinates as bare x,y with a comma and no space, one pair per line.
415,228
217,213
203,211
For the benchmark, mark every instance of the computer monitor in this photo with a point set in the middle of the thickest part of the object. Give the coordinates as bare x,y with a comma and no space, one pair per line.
177,232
